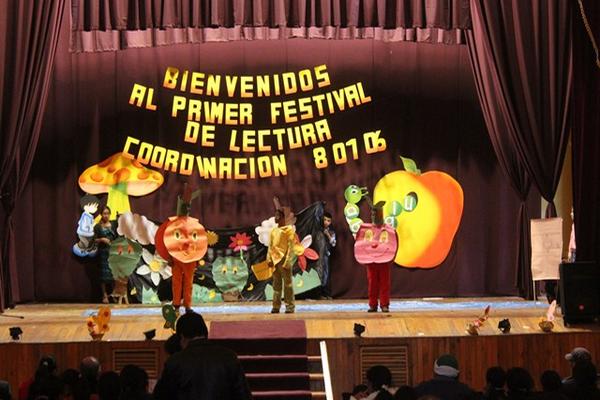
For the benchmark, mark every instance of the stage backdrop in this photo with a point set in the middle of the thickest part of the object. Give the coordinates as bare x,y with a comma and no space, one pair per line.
411,99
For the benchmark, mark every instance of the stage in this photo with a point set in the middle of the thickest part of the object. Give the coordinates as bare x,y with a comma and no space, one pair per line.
324,319
408,339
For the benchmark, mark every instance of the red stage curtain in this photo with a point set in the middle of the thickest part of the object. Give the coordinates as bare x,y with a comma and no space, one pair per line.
521,57
106,25
29,36
586,129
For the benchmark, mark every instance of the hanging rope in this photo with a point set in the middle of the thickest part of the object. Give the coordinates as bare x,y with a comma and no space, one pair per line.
589,31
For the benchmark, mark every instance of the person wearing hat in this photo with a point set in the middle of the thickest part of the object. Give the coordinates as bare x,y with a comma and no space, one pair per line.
445,383
574,357
281,257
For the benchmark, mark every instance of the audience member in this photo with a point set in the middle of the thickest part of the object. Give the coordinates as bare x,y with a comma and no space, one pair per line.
45,382
359,392
109,387
405,393
445,383
69,378
134,383
202,370
495,378
173,344
87,385
551,386
379,379
576,355
519,383
5,391
585,377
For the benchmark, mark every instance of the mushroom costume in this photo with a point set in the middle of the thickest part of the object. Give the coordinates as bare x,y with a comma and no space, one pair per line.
120,177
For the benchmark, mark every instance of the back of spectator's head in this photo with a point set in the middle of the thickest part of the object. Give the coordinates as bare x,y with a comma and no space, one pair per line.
69,379
109,387
405,393
4,391
173,344
495,377
446,365
519,380
550,381
191,325
90,368
134,381
578,354
358,389
384,395
46,366
379,375
585,373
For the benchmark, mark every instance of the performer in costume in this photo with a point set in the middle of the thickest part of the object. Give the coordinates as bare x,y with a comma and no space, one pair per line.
375,246
281,257
182,240
330,238
104,234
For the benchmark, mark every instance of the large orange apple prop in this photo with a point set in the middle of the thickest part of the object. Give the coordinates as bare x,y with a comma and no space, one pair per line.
425,209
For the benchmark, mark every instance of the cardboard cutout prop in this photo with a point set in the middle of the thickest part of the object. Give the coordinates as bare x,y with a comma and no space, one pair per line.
353,195
230,275
154,266
120,177
426,209
183,240
86,247
98,324
137,227
301,283
124,256
303,251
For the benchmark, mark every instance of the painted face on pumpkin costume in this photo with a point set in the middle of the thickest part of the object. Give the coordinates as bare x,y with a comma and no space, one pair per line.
375,244
182,238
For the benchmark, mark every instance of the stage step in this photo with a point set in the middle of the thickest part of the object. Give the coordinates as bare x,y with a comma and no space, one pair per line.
275,363
288,394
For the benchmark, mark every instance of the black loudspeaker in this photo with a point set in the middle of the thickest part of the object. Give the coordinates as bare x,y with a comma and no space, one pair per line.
579,291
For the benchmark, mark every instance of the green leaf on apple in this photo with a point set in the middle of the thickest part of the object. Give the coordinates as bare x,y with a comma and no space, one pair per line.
410,166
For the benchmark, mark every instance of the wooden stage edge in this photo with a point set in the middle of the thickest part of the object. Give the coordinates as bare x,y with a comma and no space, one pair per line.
445,317
407,340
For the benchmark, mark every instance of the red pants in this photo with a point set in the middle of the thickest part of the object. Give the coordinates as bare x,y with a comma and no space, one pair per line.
378,276
183,275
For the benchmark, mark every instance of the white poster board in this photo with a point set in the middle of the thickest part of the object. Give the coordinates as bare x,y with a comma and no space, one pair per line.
546,248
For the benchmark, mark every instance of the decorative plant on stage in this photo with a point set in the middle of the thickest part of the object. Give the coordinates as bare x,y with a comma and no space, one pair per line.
98,324
473,327
547,323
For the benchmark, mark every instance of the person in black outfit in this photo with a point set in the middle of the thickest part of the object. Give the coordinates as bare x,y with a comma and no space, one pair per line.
445,383
202,370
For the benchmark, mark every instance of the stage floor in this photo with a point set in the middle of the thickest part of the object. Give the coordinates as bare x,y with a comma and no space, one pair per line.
324,319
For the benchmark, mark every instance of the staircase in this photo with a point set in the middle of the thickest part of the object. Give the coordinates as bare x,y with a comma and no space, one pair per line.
277,365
